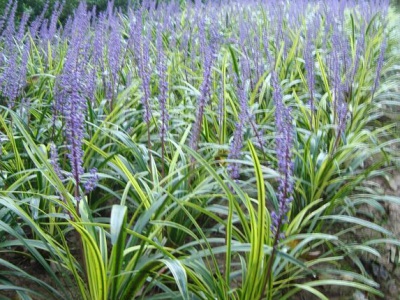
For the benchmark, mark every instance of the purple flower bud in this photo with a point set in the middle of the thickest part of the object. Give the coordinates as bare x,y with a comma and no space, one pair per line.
54,161
92,182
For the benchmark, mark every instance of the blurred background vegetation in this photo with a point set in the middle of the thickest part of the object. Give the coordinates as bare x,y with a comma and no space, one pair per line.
36,7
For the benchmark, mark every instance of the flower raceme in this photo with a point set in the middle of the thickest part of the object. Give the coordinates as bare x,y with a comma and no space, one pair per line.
237,142
71,97
284,145
209,51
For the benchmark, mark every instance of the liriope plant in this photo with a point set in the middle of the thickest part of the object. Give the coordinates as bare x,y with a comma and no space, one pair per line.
193,190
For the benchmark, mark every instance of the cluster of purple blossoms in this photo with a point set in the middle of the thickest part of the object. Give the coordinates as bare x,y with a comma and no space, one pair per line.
91,183
37,23
141,52
115,50
341,71
13,78
284,151
309,60
210,50
22,25
72,93
9,31
48,28
54,161
14,57
237,141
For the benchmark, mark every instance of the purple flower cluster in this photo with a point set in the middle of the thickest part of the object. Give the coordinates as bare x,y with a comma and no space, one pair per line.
48,28
22,25
91,183
54,161
209,48
237,141
115,51
13,78
284,151
38,22
8,34
72,93
141,52
312,30
57,10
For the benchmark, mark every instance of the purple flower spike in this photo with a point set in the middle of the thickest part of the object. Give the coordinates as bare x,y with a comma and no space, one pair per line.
379,66
54,161
141,49
72,93
13,79
284,152
37,23
9,32
22,25
210,51
237,142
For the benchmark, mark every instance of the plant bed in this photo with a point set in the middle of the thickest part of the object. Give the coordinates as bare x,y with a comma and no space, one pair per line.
217,150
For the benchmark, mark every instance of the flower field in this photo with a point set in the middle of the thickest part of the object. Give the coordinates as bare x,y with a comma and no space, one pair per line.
229,149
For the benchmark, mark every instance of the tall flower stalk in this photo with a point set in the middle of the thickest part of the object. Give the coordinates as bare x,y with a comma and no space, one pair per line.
284,150
340,66
163,96
141,46
309,66
71,96
284,145
237,141
209,50
115,51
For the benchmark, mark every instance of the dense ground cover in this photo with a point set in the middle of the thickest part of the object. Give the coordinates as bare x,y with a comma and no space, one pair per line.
224,150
